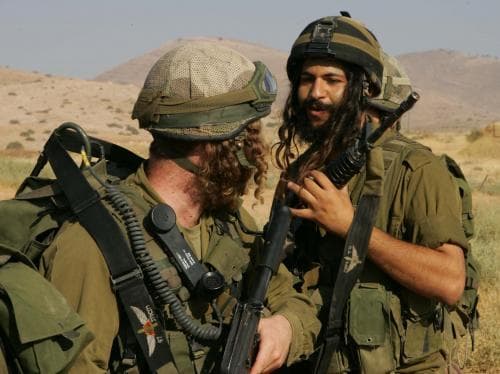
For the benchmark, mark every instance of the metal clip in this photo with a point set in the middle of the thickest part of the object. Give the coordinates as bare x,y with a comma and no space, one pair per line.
118,282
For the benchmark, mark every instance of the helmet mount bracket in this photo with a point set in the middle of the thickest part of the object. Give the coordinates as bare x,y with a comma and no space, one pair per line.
321,38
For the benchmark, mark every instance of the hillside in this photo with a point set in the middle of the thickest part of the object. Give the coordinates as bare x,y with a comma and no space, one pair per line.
33,104
135,70
458,91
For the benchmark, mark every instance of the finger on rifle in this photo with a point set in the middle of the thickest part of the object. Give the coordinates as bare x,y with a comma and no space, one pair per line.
305,213
301,192
258,365
321,179
312,185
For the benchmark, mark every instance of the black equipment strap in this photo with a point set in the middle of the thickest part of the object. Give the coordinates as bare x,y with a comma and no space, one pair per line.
351,265
126,277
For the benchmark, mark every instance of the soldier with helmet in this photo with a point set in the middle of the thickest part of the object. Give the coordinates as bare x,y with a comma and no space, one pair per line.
396,86
395,319
202,103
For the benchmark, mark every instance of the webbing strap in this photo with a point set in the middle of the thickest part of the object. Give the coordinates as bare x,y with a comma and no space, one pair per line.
353,257
351,265
126,276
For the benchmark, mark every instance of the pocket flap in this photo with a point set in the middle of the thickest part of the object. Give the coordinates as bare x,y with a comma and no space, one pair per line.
368,315
228,257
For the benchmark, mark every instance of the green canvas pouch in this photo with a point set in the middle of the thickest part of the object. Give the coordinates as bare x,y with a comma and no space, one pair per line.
369,315
43,333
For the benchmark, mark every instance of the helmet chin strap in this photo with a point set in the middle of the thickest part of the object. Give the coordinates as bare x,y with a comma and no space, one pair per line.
240,153
186,164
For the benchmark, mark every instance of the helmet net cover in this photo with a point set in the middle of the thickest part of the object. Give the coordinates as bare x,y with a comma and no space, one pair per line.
191,71
396,85
199,69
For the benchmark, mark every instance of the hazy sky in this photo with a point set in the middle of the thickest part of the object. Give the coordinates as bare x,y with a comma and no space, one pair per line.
84,38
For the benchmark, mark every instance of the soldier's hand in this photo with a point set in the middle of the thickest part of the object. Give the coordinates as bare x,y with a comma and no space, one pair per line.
275,338
324,203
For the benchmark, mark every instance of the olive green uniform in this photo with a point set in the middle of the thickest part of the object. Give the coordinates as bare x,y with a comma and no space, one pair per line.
389,328
75,265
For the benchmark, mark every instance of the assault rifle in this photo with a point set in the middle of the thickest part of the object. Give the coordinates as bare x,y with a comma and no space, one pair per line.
243,339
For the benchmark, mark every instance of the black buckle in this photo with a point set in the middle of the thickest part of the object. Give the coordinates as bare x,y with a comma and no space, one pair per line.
118,282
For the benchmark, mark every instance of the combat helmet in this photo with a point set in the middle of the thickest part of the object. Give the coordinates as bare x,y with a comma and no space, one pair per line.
396,86
202,90
342,38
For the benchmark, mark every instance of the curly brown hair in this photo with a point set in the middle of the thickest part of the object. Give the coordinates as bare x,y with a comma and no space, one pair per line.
329,140
221,177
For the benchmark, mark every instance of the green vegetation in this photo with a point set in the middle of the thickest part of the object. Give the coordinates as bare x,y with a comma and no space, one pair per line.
486,248
13,170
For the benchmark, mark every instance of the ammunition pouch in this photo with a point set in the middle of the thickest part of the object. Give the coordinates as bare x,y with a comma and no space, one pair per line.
388,334
368,323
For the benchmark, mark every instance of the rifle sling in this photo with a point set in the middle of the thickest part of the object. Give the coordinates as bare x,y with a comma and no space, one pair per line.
126,276
351,265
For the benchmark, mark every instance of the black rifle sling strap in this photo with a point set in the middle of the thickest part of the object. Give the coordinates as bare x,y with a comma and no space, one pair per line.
353,259
126,276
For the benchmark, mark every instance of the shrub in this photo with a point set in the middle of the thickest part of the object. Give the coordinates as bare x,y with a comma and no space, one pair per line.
26,133
14,146
14,122
473,135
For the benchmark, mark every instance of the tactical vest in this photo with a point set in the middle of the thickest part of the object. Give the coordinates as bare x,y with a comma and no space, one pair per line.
228,251
387,327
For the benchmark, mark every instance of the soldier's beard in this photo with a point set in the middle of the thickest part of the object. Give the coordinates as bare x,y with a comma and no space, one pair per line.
314,134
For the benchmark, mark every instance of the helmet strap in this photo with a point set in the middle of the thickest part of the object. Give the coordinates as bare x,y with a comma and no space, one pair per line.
175,155
240,153
186,164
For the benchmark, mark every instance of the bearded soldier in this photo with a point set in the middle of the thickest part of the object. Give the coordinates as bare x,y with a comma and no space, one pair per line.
202,103
395,319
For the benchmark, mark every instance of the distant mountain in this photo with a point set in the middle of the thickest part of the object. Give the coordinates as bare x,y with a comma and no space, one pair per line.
457,90
135,70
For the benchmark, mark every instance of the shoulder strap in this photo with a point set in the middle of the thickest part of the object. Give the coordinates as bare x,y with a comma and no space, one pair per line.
353,258
126,276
